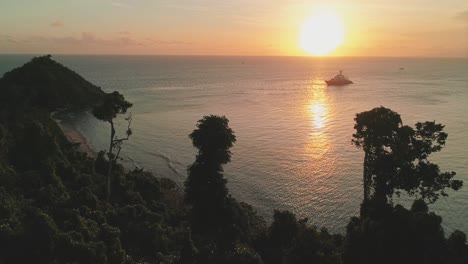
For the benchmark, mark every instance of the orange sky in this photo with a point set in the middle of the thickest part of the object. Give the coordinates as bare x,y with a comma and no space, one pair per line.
256,27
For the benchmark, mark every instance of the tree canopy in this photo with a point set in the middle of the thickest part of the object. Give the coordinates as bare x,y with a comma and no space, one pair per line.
113,104
213,138
205,187
397,156
45,83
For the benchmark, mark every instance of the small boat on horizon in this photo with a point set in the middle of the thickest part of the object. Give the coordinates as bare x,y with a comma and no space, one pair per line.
339,79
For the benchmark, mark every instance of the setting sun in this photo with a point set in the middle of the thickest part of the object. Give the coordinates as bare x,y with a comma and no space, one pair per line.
191,131
321,33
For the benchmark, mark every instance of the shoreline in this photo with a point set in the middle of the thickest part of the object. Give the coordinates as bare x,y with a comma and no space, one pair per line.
74,136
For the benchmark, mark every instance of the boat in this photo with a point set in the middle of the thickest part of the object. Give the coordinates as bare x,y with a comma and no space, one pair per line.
339,79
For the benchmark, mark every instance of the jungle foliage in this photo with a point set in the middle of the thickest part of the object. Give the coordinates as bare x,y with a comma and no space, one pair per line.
55,206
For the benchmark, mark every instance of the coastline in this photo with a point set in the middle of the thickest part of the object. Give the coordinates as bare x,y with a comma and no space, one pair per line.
74,136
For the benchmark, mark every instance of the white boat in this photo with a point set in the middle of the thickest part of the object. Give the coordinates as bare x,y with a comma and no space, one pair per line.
339,79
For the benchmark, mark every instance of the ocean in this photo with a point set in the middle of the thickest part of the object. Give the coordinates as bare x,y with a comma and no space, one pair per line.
293,149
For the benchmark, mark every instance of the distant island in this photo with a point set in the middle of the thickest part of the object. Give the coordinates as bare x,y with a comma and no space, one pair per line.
58,204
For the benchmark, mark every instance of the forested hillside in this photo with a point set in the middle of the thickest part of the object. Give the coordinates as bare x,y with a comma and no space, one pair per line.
55,207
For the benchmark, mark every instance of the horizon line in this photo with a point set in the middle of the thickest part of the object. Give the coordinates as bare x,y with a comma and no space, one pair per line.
227,55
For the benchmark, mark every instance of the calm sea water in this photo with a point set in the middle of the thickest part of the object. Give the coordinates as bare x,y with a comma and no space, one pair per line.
294,133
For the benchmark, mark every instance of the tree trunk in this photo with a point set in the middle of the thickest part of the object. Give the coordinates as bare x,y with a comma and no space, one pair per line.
366,177
111,161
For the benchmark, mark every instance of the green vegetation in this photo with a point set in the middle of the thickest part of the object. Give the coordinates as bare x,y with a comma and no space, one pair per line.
112,105
397,157
205,188
47,84
56,206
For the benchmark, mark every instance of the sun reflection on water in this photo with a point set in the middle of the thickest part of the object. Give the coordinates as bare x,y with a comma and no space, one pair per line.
319,111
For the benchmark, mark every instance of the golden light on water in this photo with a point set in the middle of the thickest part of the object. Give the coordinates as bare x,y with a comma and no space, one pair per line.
321,33
318,105
319,112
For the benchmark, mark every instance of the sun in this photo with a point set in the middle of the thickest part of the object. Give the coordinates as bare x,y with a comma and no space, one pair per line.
321,33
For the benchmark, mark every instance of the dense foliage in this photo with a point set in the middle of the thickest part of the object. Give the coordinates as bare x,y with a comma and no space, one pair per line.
397,157
53,206
205,188
47,84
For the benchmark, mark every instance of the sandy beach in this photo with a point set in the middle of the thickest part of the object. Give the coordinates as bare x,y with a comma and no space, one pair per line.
74,136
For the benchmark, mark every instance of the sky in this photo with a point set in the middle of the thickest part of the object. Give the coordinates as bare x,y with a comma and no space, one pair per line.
395,28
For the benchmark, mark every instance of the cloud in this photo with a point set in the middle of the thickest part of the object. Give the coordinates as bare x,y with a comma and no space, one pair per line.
93,43
8,39
155,41
89,38
173,42
462,15
121,5
124,33
85,39
57,24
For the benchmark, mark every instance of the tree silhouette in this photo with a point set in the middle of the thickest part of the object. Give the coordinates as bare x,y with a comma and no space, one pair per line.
375,132
205,187
396,156
283,228
457,247
113,104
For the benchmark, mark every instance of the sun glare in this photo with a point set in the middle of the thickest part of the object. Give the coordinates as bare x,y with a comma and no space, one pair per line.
321,33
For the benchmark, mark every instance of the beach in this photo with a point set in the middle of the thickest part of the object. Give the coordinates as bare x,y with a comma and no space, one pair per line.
75,136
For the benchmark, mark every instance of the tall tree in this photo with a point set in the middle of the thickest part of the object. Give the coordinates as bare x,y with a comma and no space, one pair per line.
113,104
205,187
396,156
375,132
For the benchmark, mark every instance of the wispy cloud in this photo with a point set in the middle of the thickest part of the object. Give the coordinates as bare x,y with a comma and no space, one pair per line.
161,42
121,4
85,39
462,15
124,33
89,39
8,39
173,42
57,24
